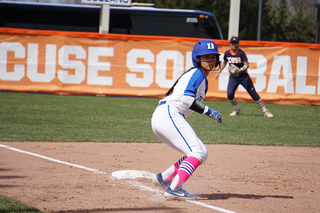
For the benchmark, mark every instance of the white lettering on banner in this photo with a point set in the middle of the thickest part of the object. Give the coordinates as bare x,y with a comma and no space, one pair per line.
223,77
50,64
275,81
78,66
146,69
189,63
258,73
94,66
161,67
19,69
74,71
301,78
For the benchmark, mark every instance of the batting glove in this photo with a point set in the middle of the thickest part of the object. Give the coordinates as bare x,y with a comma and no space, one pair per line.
214,114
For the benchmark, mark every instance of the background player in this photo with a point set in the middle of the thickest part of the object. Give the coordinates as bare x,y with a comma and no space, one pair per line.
169,120
237,57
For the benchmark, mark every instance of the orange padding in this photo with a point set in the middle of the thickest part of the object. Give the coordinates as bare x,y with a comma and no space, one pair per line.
82,63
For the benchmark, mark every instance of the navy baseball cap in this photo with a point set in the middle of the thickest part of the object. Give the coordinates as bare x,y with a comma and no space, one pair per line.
234,39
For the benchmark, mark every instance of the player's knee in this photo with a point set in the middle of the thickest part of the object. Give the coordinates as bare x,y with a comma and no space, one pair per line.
230,96
201,154
205,156
255,97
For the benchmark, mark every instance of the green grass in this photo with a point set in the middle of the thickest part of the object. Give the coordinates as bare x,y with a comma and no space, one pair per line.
48,118
9,205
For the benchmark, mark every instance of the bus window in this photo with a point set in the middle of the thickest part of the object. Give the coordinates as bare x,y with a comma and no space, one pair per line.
163,24
49,17
208,28
183,25
123,20
120,23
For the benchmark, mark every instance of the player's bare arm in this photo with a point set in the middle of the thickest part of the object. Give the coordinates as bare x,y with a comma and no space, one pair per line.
223,65
245,66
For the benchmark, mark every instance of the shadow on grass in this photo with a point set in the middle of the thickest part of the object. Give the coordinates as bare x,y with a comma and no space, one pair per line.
248,115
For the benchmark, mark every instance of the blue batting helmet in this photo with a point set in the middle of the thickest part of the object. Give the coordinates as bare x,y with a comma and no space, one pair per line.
204,47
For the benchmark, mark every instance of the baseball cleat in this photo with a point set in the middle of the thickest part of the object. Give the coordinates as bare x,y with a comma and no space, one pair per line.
178,194
158,181
268,114
235,112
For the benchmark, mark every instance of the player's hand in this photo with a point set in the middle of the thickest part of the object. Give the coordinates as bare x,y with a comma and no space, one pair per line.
214,115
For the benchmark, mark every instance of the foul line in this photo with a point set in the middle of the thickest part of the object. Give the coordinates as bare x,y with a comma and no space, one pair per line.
52,159
137,184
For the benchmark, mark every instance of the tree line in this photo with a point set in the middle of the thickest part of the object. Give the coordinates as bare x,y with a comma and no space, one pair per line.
281,21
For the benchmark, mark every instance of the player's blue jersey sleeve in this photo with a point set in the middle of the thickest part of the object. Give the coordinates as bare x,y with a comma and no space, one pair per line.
196,79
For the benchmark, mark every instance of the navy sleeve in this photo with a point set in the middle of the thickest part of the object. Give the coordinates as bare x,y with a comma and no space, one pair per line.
243,56
225,55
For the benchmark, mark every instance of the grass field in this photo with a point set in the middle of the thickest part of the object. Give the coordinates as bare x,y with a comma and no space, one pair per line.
48,118
11,205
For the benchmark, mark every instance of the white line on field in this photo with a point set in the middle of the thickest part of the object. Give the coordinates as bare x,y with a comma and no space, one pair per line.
134,183
52,159
143,187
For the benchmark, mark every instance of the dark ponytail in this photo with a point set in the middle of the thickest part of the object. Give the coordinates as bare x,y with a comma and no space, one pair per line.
171,89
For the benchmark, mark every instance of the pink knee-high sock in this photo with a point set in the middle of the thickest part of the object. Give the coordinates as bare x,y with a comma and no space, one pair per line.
172,170
187,167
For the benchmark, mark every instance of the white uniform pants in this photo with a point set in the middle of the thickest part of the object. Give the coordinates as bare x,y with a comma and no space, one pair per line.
170,126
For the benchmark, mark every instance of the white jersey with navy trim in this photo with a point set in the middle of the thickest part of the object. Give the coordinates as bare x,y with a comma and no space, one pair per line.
193,83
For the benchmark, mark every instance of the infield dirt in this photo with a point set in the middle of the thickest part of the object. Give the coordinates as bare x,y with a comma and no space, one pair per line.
242,179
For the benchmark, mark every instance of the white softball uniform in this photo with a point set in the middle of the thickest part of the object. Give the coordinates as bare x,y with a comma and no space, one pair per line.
168,120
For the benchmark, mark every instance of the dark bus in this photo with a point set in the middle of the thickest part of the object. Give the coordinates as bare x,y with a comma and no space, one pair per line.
134,20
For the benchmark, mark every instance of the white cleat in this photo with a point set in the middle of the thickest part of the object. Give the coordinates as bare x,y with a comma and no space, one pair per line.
268,114
235,112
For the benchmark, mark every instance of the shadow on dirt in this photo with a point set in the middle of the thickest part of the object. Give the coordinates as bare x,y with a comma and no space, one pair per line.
242,196
5,170
3,177
11,176
9,186
147,209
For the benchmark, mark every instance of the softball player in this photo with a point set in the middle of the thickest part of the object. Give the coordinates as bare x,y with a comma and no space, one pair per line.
169,120
236,56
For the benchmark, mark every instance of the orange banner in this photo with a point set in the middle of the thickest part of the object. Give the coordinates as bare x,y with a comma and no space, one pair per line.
146,66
